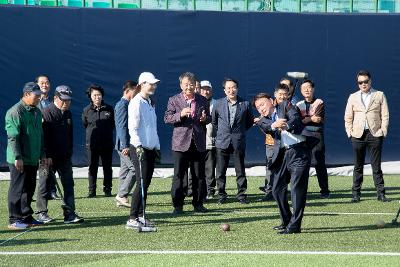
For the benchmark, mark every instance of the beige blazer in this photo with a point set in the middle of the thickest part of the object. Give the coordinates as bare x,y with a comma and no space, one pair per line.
376,115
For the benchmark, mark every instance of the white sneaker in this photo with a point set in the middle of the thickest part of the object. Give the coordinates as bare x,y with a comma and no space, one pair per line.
122,202
147,222
133,224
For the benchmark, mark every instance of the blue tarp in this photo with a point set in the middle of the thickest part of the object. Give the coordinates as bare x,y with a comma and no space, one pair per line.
79,46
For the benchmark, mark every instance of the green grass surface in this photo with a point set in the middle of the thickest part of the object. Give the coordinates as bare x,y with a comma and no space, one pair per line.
328,225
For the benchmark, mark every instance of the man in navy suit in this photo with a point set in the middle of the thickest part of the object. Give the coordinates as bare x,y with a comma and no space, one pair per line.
189,114
231,117
291,158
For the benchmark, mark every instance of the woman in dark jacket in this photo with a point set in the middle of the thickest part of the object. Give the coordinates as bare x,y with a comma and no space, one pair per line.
98,120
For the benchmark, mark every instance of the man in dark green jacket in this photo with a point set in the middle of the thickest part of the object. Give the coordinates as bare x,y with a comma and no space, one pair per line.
23,124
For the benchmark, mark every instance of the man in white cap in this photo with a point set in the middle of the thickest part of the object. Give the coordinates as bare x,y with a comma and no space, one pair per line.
144,145
207,92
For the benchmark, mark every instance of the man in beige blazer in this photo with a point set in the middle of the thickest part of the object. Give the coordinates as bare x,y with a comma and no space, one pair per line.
366,122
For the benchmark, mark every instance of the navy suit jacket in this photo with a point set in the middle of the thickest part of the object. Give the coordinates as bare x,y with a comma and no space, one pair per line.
187,128
235,135
121,124
295,126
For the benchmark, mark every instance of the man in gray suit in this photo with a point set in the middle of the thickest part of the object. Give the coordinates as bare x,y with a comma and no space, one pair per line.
188,113
232,117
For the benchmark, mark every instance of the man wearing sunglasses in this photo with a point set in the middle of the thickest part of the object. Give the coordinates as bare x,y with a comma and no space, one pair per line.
366,122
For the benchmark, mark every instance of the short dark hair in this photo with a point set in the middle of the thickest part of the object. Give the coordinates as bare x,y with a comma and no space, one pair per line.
286,79
259,96
230,80
188,75
282,86
364,73
307,81
41,75
129,85
93,87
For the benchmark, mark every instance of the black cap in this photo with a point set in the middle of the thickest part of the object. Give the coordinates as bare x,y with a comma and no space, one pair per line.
32,88
64,92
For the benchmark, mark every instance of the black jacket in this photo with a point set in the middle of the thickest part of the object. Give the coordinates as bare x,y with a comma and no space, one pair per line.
58,132
99,124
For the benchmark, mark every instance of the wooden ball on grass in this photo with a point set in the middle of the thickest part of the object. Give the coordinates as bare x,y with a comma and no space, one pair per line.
225,227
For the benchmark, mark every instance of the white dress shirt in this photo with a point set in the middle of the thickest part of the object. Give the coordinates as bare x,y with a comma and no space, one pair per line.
366,99
142,123
288,139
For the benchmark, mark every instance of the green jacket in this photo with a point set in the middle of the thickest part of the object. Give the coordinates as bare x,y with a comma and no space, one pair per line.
25,134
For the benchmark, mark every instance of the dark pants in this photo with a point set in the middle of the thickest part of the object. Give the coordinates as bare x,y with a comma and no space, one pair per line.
145,171
46,182
64,169
295,169
318,161
210,163
46,177
269,178
106,160
20,193
360,146
187,181
182,160
223,156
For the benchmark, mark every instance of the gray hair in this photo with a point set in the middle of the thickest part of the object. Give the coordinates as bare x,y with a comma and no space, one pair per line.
191,77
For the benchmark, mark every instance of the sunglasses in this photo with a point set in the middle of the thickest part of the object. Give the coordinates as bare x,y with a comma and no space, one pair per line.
363,82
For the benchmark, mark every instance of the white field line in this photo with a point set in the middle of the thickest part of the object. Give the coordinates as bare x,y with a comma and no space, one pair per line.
206,252
264,212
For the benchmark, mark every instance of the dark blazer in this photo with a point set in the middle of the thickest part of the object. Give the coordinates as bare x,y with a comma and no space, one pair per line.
121,124
295,126
225,134
187,128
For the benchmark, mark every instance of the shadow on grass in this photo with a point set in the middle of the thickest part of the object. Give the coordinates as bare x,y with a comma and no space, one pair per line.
22,242
323,230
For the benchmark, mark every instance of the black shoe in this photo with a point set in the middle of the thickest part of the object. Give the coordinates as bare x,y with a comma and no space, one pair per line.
243,201
73,218
221,200
200,208
267,197
91,195
355,199
288,231
177,210
53,196
383,198
279,227
107,192
262,189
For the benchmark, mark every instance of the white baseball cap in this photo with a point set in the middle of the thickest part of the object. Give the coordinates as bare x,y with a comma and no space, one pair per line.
147,77
205,84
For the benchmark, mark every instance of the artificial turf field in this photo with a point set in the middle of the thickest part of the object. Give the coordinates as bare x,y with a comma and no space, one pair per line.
335,231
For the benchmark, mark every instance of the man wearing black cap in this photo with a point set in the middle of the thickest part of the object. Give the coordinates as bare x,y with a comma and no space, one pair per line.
23,123
58,143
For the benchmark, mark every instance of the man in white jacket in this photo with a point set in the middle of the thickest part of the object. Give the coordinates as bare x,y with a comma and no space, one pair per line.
145,145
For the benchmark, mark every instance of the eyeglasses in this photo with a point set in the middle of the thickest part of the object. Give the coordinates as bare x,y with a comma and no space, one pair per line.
363,82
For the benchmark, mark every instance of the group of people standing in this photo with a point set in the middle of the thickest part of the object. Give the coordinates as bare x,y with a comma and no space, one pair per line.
206,132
